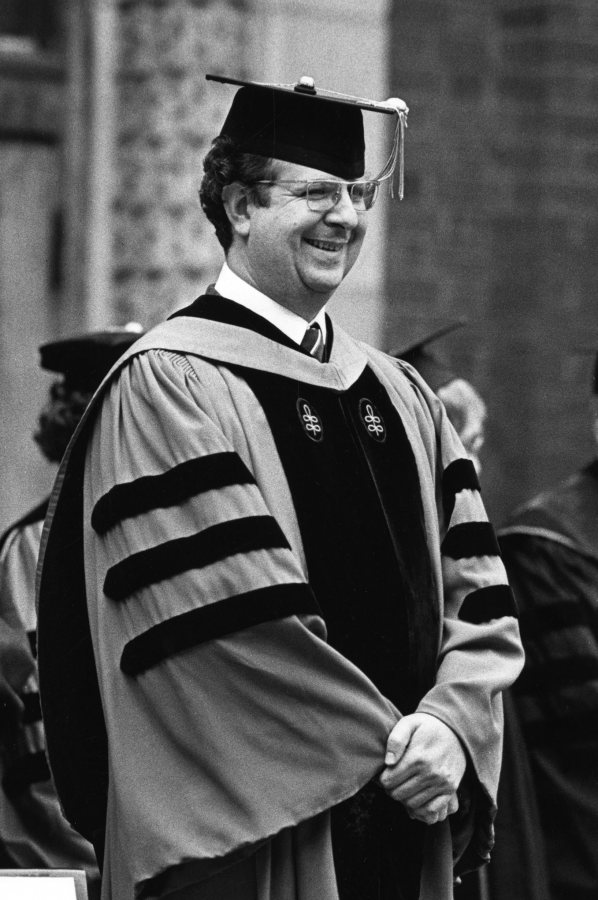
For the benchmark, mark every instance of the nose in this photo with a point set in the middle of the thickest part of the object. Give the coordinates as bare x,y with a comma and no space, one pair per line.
343,213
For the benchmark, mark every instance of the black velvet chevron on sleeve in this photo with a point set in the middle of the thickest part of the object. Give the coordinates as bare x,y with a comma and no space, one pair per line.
187,479
32,711
470,539
460,475
32,638
194,552
197,626
488,603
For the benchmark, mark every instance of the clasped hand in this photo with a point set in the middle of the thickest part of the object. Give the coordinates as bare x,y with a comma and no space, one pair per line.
425,763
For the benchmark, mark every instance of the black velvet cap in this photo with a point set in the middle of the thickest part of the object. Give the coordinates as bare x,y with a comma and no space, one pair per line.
299,124
417,354
84,359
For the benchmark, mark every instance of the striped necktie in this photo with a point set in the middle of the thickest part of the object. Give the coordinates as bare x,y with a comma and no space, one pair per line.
313,342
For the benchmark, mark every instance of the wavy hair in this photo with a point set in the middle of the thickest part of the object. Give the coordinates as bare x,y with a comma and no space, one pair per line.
59,418
225,164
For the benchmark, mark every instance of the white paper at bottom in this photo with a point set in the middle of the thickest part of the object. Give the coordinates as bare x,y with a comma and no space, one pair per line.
32,888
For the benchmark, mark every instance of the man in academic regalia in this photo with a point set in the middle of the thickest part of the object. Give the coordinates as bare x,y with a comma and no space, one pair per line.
547,828
289,622
33,832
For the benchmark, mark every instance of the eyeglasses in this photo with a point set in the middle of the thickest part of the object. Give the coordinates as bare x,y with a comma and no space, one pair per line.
322,196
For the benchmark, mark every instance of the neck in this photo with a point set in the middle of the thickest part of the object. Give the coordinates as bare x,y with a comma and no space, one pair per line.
307,306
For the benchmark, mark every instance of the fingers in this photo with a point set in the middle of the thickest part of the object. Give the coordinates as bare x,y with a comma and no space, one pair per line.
424,766
435,810
410,776
413,794
398,740
424,748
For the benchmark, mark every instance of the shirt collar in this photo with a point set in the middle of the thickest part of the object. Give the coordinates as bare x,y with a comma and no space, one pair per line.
230,285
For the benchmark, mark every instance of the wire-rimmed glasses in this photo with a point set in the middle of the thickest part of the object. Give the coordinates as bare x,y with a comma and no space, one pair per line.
322,196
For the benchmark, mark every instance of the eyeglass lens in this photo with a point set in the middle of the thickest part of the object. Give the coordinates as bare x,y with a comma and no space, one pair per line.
323,195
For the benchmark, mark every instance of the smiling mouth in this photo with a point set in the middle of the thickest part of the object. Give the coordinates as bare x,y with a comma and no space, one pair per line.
328,246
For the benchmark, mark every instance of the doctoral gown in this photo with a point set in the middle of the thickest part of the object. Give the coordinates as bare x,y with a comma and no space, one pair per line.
550,547
33,832
273,559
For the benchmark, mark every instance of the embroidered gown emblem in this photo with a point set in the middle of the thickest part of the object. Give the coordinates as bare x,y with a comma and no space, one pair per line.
372,420
310,420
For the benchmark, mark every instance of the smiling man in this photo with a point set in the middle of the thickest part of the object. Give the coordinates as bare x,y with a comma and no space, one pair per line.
292,623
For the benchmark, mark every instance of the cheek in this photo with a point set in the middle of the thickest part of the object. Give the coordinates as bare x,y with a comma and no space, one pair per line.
359,233
356,244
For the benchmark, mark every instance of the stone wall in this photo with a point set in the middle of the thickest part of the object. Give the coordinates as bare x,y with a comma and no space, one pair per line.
31,116
164,249
501,220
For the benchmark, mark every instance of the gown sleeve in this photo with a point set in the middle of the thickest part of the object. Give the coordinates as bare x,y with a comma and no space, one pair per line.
480,653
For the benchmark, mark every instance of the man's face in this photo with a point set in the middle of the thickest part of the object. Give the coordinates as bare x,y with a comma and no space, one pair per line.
297,256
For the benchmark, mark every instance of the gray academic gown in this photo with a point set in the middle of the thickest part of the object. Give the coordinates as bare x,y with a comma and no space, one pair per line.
227,745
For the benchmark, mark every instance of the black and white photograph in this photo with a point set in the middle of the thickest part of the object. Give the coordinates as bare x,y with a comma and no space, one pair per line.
298,450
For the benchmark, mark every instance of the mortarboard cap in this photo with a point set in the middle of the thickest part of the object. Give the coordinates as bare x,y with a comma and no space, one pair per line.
311,127
416,352
84,359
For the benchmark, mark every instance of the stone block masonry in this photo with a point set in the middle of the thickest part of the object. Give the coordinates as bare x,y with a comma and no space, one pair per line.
164,249
502,223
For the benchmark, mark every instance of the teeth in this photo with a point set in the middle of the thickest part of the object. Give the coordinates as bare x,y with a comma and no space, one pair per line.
325,245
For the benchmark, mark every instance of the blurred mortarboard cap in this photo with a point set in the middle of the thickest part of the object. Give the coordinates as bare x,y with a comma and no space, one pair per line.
417,353
300,124
85,359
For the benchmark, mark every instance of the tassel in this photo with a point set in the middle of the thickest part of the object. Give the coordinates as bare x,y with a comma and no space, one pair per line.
397,154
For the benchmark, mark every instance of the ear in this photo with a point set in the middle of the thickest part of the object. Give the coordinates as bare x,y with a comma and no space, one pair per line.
238,207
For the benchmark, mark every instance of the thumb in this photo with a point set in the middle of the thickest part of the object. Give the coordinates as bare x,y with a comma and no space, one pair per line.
398,740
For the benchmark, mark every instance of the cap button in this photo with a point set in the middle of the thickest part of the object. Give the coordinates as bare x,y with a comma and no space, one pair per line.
306,85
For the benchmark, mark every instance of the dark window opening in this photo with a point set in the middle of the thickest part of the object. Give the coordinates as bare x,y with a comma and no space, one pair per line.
29,25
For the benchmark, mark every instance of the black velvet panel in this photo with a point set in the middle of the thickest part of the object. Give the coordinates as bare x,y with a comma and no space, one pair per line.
214,621
182,554
377,850
32,711
71,705
460,475
188,479
470,539
488,603
26,771
357,497
358,504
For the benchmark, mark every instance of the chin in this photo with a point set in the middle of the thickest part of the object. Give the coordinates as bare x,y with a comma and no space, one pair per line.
326,283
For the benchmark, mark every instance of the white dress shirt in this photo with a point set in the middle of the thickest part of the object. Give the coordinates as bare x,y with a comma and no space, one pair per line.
230,285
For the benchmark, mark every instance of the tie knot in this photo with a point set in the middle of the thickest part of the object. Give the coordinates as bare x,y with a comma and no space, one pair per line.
313,342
